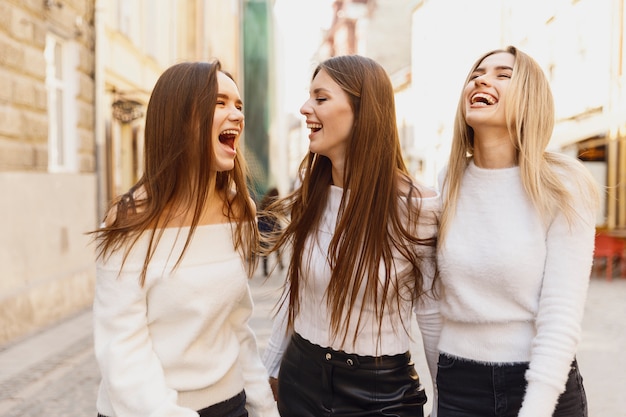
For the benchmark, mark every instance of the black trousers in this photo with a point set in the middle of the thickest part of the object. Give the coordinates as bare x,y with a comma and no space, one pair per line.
471,389
232,407
321,382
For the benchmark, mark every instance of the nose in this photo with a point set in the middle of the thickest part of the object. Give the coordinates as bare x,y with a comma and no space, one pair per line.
306,108
236,115
481,80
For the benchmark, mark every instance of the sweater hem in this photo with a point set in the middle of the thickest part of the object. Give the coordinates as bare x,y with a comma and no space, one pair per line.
228,386
489,343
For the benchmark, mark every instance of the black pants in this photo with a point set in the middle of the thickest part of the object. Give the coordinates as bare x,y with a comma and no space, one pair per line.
470,389
321,382
232,407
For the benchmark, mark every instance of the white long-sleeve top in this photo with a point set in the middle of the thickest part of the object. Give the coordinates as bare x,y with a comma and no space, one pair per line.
514,289
181,342
313,321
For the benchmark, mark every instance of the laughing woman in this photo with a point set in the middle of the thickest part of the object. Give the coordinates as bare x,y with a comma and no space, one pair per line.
515,251
172,300
362,235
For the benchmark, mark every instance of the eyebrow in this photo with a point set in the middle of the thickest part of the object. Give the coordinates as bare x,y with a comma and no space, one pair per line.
498,68
320,89
227,97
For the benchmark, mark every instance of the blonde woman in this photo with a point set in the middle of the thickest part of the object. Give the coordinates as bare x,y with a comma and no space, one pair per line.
514,253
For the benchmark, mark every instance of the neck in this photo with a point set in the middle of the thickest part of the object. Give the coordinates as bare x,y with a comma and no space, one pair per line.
494,152
337,174
183,210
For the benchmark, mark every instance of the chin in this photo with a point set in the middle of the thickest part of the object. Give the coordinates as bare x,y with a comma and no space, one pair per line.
223,167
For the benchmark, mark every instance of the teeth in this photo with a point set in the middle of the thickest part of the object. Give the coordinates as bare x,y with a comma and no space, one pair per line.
313,126
489,99
230,132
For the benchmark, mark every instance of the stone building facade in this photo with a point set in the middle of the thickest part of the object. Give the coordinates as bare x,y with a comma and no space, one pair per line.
47,161
75,78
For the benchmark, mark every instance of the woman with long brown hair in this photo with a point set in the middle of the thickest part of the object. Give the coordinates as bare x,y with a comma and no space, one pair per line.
172,300
361,233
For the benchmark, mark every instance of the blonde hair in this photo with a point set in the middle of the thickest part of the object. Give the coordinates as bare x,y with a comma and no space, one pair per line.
529,113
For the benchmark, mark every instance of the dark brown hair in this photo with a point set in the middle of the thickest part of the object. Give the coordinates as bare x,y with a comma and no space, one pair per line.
372,223
177,168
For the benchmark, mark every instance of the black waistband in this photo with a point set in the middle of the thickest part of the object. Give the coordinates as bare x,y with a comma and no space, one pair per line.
223,408
230,407
349,360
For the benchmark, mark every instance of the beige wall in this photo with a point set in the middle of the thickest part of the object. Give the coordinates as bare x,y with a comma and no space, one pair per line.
222,39
46,268
139,41
46,263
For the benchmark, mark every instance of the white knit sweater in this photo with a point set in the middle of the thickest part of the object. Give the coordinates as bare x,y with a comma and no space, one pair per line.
181,342
313,320
514,289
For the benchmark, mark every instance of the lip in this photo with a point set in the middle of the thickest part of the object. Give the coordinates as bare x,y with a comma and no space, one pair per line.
230,150
314,127
228,140
479,99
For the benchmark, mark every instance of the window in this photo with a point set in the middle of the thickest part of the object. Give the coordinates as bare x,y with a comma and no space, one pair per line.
61,85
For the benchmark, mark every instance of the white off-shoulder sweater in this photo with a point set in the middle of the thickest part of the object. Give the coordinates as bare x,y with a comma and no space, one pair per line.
514,289
181,342
313,320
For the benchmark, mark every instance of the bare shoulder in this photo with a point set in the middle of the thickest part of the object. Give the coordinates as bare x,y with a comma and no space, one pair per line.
252,204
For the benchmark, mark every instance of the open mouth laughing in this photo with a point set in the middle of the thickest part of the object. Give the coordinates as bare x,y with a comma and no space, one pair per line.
228,136
315,127
483,99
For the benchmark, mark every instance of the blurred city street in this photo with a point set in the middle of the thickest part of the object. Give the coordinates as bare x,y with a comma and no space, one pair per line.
76,80
53,373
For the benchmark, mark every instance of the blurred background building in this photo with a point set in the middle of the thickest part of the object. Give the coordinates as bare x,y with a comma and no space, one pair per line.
75,79
47,161
427,47
76,76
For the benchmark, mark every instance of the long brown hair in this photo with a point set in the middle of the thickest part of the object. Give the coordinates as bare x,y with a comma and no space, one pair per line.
177,176
371,221
529,113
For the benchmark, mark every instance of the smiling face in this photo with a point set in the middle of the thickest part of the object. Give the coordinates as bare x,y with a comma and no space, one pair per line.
329,116
228,122
485,92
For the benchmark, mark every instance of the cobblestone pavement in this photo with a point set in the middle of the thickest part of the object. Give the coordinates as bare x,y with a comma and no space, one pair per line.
53,373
